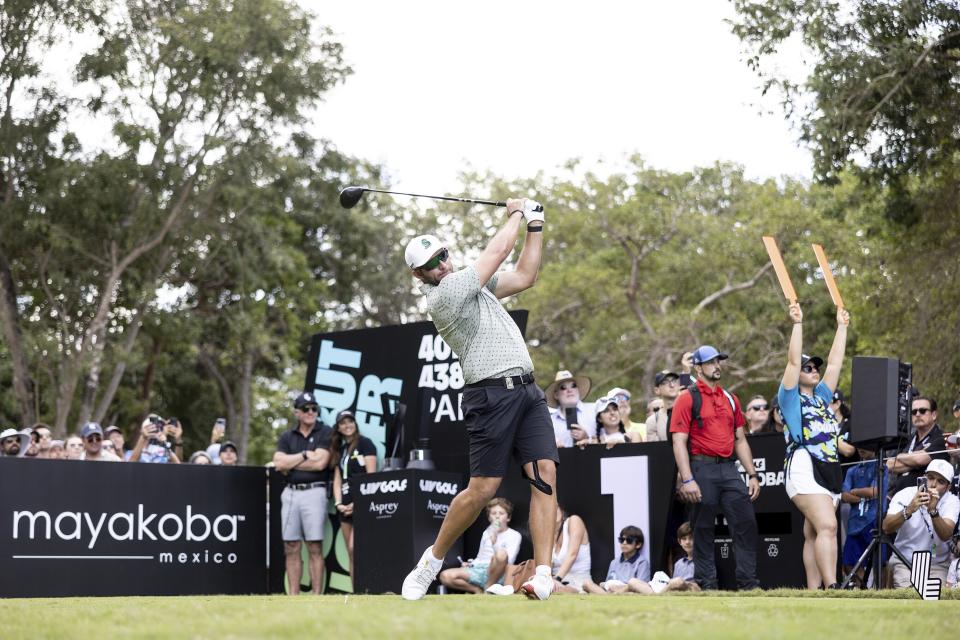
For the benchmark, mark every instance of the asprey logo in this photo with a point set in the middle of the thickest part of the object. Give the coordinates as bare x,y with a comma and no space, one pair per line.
432,486
438,508
384,509
78,525
386,486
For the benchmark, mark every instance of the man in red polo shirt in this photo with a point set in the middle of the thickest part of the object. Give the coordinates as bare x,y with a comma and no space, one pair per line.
704,448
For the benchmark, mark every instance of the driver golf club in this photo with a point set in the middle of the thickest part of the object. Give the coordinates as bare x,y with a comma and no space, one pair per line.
350,196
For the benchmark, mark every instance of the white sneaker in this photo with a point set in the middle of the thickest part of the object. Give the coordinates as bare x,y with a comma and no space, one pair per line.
500,590
417,582
538,587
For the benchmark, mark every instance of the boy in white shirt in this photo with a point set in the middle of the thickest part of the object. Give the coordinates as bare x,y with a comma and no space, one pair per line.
498,548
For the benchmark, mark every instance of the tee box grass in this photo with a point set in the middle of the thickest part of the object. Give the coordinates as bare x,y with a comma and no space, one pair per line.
770,614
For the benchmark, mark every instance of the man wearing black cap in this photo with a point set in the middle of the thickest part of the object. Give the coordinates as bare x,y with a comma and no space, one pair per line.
707,427
228,454
666,386
92,434
302,455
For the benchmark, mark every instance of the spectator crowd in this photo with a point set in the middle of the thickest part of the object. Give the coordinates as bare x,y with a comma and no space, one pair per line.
918,500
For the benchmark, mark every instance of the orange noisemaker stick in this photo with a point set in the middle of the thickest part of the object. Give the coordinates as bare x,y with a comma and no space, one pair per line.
828,276
780,268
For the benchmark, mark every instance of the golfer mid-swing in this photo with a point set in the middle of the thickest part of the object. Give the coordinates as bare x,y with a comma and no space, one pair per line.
503,409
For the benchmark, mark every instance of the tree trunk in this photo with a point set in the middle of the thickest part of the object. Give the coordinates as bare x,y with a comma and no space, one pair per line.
226,394
23,384
246,391
118,369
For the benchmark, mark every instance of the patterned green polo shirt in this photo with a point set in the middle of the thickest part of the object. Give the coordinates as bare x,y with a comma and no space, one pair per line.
476,326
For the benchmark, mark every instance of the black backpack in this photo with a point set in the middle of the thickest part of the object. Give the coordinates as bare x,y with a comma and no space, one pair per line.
698,402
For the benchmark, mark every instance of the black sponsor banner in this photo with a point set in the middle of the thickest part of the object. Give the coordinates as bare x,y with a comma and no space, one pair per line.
408,363
779,524
71,528
397,515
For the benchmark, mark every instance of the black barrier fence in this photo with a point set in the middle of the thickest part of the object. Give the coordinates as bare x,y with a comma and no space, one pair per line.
73,529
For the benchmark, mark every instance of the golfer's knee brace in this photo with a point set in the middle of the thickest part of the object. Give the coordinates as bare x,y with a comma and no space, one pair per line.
537,481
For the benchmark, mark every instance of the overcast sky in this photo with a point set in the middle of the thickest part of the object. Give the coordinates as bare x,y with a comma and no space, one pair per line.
520,87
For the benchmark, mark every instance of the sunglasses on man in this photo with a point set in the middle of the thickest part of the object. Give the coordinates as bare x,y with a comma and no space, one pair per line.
435,261
920,412
809,368
310,408
628,539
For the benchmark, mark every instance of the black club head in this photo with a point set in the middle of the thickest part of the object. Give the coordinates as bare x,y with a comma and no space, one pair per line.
350,196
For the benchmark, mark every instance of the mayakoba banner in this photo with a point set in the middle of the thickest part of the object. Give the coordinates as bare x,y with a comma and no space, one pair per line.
72,528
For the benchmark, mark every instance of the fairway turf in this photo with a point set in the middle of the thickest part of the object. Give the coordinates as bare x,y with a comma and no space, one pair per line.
777,614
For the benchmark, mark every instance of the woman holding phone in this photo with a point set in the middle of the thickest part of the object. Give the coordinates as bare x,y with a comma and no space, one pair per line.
351,455
814,477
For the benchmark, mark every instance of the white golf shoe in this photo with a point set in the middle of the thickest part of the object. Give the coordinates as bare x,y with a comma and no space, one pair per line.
417,582
539,587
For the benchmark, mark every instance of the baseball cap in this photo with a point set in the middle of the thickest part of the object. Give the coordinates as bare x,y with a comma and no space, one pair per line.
838,396
804,359
420,249
111,429
663,375
229,445
956,405
706,353
602,404
618,391
304,398
346,413
941,467
89,429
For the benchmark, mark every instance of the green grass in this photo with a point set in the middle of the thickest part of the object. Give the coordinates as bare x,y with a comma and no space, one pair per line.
760,615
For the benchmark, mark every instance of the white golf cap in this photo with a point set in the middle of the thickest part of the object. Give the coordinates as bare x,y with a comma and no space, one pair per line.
421,249
941,467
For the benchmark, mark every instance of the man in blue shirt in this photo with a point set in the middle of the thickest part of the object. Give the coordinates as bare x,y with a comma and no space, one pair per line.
860,492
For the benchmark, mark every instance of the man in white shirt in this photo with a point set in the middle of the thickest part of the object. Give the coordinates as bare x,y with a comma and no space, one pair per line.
923,519
498,548
566,394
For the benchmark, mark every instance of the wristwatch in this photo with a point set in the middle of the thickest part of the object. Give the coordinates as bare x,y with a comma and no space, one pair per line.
934,514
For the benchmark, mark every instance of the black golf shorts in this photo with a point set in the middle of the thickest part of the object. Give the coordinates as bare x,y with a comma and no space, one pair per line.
502,421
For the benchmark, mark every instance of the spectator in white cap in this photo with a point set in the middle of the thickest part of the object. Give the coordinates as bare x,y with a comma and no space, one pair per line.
923,517
636,431
571,417
14,443
610,430
92,434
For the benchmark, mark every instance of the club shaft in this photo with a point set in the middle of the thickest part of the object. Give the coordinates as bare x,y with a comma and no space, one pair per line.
494,203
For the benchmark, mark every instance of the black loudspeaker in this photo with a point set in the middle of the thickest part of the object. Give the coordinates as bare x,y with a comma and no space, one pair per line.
880,411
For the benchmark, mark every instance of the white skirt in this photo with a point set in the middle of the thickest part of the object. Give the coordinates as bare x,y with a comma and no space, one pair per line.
800,480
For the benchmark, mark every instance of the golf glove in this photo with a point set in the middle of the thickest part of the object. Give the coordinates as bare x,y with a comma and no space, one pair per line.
533,211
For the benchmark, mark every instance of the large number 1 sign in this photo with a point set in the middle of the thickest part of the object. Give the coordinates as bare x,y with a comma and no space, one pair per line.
626,479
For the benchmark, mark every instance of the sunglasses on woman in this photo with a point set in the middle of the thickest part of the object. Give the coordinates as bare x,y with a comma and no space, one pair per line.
627,540
809,368
435,261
